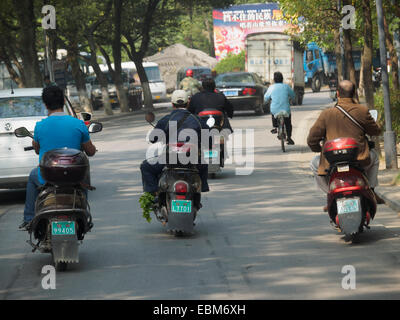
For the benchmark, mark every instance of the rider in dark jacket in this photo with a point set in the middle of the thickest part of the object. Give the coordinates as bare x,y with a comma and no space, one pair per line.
152,171
209,99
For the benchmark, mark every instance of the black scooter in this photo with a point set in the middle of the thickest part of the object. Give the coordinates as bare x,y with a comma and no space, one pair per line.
62,213
215,155
179,192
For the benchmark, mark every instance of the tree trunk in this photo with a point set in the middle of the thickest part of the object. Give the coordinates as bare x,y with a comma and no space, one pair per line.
79,78
26,19
338,55
5,57
348,49
144,81
148,100
191,23
394,69
100,77
116,49
210,33
366,71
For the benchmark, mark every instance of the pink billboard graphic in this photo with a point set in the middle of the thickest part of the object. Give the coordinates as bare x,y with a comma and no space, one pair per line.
233,24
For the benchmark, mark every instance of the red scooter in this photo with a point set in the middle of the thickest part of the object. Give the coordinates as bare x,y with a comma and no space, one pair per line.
351,201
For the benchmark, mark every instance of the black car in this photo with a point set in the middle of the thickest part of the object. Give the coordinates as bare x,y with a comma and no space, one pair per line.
245,90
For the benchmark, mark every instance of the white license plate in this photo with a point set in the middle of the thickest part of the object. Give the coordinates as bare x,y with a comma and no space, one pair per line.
348,205
231,93
343,168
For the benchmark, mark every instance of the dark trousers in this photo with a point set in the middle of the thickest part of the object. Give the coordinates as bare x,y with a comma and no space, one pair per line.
288,124
152,172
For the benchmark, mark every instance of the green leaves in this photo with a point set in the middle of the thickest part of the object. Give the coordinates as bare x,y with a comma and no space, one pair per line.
146,203
231,63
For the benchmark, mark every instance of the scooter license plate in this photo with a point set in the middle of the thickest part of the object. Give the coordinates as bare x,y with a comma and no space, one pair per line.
210,154
348,205
181,206
62,228
343,168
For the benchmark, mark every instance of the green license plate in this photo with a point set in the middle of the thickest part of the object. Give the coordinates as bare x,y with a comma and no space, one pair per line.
210,154
62,228
348,205
181,206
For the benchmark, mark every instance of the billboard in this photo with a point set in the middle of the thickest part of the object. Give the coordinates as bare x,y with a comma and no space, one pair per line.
233,24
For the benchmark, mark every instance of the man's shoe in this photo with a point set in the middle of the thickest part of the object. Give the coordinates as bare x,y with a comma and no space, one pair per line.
24,225
274,131
290,141
379,200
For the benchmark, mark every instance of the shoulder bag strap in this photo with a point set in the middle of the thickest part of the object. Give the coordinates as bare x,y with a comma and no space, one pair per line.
350,117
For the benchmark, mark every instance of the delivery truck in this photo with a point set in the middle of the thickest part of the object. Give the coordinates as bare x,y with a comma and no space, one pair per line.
269,52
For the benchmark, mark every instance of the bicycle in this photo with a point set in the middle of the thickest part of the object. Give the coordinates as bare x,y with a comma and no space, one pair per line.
282,134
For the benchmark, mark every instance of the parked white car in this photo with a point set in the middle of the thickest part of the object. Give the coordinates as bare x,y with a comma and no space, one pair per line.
23,108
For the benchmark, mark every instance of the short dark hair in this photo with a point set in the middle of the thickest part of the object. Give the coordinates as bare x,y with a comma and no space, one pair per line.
346,89
53,97
208,84
278,77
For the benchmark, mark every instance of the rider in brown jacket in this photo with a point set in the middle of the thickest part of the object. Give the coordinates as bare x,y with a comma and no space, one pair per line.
333,123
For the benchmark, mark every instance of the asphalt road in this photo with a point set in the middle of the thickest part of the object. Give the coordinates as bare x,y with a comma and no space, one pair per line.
258,236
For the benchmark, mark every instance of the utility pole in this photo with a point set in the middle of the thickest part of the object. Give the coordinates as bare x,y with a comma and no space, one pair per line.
342,56
389,135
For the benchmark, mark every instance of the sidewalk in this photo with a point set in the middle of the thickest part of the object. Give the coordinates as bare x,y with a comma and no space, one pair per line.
388,190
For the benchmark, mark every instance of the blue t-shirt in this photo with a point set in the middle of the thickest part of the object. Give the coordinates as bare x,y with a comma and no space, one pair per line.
59,131
279,93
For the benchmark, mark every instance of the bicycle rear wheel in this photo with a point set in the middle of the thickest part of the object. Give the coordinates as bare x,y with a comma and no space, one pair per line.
282,133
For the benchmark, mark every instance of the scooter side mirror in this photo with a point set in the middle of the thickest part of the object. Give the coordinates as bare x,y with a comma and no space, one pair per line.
150,117
22,132
95,127
86,116
374,114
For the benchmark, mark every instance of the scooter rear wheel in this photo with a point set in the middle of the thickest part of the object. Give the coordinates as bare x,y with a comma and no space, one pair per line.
61,266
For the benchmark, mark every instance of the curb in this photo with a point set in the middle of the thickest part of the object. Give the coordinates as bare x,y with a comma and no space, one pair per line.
393,204
105,117
6,210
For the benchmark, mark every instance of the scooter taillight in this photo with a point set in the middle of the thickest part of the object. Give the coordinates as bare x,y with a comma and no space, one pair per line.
345,182
181,187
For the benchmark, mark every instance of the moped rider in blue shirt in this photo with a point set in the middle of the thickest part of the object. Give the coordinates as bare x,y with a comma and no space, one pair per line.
58,130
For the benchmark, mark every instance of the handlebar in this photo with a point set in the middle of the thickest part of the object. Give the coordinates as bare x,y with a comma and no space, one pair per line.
29,148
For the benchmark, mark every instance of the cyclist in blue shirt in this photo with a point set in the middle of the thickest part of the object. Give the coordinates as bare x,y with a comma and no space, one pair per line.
58,130
280,94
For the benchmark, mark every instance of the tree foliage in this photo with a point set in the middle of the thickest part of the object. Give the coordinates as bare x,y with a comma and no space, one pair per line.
231,63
